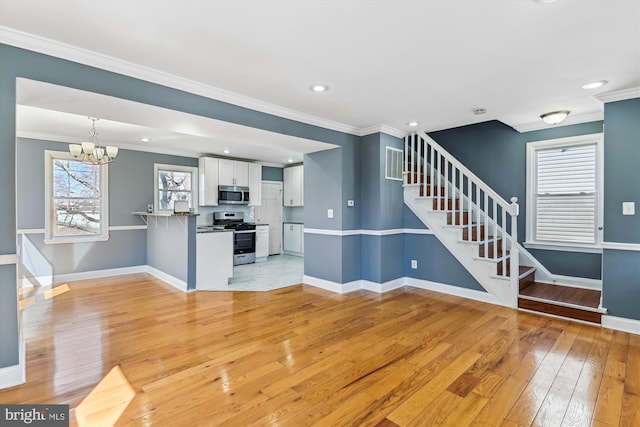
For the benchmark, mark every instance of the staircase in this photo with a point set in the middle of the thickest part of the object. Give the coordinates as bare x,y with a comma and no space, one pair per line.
479,228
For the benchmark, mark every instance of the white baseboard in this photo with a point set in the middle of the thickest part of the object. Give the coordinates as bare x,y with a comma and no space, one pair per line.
621,324
17,374
453,290
382,287
173,281
99,274
340,288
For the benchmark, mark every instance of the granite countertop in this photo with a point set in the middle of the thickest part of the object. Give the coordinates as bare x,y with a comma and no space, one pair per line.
293,222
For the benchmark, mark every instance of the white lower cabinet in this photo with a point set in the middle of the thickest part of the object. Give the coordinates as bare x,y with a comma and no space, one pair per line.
293,238
262,243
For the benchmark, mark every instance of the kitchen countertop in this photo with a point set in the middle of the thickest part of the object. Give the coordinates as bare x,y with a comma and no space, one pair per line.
211,229
293,222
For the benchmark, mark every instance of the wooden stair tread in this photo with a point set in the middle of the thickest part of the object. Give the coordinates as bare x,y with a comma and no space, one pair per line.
563,294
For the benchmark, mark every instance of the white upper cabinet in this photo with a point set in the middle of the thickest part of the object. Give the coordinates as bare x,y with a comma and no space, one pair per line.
208,181
255,184
233,172
294,186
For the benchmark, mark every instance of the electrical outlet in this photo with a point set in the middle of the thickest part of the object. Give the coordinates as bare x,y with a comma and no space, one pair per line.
414,264
351,203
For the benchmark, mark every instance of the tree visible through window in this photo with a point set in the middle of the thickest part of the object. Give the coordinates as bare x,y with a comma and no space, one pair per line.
76,199
173,186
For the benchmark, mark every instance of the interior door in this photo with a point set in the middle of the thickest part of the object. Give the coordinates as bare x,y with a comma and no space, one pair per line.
270,212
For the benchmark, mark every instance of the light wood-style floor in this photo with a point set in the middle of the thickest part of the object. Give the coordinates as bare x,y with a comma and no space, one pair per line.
301,356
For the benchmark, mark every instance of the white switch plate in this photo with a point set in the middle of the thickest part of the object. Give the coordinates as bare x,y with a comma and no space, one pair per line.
329,213
414,263
628,208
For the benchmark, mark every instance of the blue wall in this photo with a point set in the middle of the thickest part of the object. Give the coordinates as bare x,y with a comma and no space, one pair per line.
270,173
130,190
621,268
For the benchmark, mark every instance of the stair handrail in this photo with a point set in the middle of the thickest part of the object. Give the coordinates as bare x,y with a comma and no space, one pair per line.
511,208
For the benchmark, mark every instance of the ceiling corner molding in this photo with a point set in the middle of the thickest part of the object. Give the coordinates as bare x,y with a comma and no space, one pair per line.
571,120
382,129
619,95
23,40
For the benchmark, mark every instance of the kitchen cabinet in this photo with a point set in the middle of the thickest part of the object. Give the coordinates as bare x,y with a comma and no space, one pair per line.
233,172
214,260
293,238
294,186
255,184
262,243
208,181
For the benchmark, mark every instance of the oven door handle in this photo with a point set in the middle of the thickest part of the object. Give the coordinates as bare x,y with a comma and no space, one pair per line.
244,231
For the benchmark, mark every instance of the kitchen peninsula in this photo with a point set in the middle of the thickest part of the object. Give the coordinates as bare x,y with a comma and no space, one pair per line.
185,257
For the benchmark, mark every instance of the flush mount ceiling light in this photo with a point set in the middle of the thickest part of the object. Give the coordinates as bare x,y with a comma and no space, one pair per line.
413,124
319,87
555,117
226,151
290,160
145,139
92,152
594,85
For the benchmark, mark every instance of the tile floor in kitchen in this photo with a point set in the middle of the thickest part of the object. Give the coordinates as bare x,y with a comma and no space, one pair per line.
279,271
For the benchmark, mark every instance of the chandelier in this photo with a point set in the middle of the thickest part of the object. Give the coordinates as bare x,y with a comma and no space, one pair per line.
92,152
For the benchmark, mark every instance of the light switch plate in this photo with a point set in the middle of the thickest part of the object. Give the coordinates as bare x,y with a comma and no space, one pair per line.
628,208
329,213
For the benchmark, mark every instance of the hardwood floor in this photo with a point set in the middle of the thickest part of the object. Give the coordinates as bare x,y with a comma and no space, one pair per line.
301,356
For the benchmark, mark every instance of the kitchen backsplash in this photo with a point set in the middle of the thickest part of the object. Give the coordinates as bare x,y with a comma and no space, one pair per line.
206,213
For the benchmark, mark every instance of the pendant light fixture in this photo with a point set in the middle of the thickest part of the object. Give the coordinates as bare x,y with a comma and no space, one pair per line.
92,152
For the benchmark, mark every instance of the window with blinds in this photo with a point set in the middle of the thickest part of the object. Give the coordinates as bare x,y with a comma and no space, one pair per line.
563,203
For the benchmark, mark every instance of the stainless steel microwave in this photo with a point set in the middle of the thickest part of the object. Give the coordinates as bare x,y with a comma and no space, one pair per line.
233,195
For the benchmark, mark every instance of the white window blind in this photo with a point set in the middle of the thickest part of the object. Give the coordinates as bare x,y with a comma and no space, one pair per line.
393,164
565,194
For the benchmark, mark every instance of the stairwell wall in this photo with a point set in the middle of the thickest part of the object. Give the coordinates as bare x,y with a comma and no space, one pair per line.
496,153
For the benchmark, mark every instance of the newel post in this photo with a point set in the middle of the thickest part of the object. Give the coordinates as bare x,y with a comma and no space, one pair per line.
515,258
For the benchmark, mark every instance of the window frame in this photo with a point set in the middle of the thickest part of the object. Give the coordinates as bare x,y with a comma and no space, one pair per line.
176,168
531,172
50,156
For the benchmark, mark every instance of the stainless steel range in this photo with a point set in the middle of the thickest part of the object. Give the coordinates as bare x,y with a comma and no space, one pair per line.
244,235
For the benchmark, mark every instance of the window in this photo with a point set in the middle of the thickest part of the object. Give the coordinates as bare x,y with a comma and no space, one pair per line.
175,183
564,206
393,164
76,201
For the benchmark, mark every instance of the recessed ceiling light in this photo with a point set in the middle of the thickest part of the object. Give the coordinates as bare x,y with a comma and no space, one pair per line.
145,139
413,124
545,1
319,87
226,151
478,111
594,85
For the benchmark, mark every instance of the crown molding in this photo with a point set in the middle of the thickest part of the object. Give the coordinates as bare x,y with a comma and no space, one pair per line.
69,52
619,95
382,129
571,120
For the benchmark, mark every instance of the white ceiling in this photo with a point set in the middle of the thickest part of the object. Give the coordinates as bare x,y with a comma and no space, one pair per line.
387,62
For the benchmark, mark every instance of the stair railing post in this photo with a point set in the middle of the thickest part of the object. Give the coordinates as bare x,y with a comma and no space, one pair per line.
405,166
515,256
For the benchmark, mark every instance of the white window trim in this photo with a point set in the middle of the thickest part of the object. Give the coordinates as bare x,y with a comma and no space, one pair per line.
49,155
194,183
532,147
